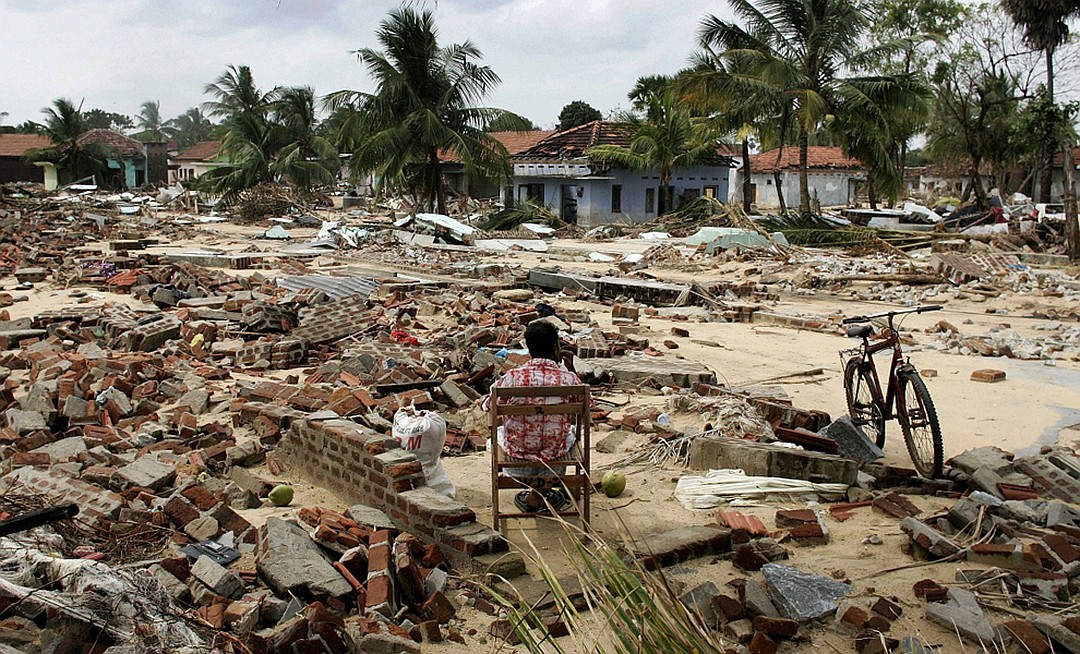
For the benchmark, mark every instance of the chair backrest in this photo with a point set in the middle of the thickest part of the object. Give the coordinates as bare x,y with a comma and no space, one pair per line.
576,400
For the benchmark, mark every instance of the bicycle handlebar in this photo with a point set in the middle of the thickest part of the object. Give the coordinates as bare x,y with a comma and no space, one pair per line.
854,319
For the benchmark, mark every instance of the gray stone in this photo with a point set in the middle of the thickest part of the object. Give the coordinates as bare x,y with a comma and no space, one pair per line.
290,562
370,516
123,402
197,400
272,607
994,458
986,479
700,600
436,581
766,460
176,588
145,472
454,393
65,450
1033,511
92,351
757,601
852,440
75,407
24,422
387,644
39,400
928,538
217,578
202,528
800,595
245,454
962,614
1059,513
505,565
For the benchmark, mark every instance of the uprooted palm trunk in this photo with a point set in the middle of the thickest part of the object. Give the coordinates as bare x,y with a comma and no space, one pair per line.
266,200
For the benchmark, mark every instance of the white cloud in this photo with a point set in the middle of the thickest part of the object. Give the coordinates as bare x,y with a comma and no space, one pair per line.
119,53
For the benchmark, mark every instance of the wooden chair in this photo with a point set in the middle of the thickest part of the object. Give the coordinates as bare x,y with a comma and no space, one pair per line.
575,479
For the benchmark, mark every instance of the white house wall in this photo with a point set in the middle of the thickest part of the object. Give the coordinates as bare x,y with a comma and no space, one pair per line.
832,188
594,192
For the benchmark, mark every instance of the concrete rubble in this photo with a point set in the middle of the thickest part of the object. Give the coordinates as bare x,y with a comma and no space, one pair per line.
171,392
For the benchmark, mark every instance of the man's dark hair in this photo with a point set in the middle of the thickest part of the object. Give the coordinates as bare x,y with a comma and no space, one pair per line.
542,339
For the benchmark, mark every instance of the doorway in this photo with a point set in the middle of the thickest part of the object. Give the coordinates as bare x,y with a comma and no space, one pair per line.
568,206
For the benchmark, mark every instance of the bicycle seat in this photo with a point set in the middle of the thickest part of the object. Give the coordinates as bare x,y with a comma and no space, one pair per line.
862,331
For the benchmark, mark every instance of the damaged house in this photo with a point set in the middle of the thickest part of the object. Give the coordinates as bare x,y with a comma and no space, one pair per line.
13,149
192,162
134,163
834,178
559,173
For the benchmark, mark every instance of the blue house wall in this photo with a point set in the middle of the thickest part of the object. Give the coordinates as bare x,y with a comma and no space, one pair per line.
592,194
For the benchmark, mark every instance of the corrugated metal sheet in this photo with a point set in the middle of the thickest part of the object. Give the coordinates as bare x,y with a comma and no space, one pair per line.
334,287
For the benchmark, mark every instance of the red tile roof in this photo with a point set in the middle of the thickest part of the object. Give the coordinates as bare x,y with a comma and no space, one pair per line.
514,142
819,157
126,146
201,151
16,145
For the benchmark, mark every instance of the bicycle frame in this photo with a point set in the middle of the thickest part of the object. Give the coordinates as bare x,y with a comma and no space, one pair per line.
896,366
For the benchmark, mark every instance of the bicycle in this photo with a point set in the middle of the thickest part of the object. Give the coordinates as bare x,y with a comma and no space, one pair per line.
906,398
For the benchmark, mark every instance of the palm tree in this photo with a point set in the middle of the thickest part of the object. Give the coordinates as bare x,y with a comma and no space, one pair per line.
1046,28
666,141
189,127
797,50
423,105
149,122
64,125
305,156
235,94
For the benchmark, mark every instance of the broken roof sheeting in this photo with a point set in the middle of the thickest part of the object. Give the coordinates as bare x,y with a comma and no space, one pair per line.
334,287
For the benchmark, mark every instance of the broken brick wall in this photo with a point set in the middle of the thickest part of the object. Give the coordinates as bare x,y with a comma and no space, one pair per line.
365,467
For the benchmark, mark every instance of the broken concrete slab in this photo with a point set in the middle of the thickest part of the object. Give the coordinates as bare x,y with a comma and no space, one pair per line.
682,544
961,613
928,538
800,595
852,440
290,562
767,460
637,369
144,472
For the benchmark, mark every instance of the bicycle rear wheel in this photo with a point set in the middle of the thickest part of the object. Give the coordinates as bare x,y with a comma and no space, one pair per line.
919,422
865,412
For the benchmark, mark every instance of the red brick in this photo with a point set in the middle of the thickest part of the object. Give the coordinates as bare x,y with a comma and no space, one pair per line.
379,591
438,608
887,608
200,497
762,644
778,628
988,375
1032,640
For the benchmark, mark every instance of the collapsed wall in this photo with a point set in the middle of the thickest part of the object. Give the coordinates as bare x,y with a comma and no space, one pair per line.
365,467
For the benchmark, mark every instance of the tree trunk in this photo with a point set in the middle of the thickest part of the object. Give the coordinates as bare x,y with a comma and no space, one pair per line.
804,173
438,197
664,204
1072,225
779,192
977,185
1046,180
871,192
747,185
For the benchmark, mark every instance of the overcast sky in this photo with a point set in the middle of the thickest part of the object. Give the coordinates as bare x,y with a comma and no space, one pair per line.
116,54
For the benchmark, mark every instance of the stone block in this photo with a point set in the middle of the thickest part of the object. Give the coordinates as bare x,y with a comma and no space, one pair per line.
24,422
800,595
928,538
290,562
765,460
144,472
757,601
700,601
852,440
217,578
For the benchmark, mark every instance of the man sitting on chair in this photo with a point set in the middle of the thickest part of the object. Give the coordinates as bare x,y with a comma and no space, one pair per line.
538,437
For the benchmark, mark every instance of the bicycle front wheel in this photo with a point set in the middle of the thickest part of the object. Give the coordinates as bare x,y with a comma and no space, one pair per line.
919,422
864,410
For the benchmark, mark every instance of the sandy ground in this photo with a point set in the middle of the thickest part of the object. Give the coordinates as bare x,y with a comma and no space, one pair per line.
1029,409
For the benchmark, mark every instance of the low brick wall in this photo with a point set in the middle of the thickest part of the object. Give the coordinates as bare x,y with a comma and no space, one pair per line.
365,467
